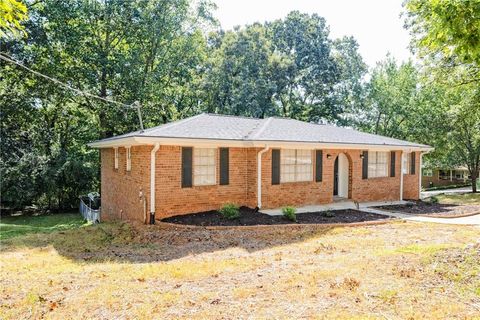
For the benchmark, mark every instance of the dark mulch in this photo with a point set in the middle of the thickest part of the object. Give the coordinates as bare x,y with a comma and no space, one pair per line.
248,217
420,207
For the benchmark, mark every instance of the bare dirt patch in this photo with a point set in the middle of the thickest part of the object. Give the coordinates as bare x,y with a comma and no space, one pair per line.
429,209
248,217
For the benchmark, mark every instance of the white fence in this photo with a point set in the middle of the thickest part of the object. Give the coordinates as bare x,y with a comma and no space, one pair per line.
89,214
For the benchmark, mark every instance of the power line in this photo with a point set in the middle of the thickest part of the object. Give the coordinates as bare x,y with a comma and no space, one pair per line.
7,58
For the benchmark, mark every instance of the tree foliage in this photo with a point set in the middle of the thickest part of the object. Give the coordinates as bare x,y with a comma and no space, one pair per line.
447,35
170,57
288,67
12,14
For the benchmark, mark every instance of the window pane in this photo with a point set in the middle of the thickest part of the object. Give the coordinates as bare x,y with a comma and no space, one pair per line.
204,166
295,165
377,164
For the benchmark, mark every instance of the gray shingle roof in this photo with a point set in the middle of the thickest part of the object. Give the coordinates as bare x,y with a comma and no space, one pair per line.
222,127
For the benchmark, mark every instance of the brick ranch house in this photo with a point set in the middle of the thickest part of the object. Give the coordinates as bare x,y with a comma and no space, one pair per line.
202,162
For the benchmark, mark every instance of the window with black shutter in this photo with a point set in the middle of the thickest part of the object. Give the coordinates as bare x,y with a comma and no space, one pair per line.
365,165
224,166
186,167
412,163
275,166
392,163
318,165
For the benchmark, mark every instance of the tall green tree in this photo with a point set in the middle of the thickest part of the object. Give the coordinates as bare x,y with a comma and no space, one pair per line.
12,14
289,67
446,34
147,51
447,28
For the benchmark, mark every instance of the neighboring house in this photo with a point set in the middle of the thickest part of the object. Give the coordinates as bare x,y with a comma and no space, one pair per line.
445,177
201,163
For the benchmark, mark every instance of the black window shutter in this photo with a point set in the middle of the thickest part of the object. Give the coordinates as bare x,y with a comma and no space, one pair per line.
186,167
412,164
224,166
365,165
275,166
392,163
318,165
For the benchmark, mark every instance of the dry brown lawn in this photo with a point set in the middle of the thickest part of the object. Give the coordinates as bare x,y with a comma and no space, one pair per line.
117,270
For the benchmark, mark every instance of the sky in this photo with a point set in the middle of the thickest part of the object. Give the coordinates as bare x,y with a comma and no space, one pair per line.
375,24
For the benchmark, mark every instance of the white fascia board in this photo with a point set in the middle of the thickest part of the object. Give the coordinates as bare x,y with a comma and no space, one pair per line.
135,141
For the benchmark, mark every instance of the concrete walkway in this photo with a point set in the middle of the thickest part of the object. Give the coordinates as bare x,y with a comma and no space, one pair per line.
338,205
426,194
369,207
470,220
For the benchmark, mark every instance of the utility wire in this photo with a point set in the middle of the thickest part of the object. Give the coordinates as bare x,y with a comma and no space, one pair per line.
7,58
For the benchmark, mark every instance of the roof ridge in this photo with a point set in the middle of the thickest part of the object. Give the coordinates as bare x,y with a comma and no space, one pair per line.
260,130
230,116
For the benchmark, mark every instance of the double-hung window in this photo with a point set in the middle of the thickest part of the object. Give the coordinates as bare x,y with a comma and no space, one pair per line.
296,165
406,162
377,164
204,169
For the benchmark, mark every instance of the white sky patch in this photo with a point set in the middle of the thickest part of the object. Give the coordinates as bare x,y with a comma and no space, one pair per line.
376,24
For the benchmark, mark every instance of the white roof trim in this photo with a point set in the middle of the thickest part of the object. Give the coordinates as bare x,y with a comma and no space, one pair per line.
137,141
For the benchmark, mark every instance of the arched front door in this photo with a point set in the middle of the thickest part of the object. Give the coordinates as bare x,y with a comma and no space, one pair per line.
340,176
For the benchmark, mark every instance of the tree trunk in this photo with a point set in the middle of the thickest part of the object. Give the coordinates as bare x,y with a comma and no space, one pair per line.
474,182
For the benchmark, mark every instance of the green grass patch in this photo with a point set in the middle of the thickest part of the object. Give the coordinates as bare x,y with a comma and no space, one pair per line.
426,250
465,198
11,227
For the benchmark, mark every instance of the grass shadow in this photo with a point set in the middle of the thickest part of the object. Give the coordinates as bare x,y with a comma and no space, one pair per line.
137,243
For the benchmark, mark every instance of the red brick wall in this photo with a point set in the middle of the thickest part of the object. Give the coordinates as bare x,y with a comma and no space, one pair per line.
303,193
120,189
296,193
411,182
173,199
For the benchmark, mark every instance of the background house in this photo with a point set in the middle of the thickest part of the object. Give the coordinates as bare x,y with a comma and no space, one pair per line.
445,177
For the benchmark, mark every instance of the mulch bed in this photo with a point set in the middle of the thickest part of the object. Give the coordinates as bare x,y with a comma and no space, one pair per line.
248,217
425,208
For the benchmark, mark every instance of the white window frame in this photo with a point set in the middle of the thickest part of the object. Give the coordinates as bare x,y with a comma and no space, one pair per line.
292,172
377,168
116,158
407,156
197,163
129,158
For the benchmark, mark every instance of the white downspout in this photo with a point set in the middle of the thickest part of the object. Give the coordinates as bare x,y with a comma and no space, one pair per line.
152,182
259,176
401,176
420,177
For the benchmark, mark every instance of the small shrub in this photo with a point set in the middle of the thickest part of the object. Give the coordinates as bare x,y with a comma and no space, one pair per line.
433,200
290,213
230,211
328,214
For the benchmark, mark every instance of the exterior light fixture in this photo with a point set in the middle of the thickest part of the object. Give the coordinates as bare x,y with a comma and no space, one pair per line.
329,156
362,155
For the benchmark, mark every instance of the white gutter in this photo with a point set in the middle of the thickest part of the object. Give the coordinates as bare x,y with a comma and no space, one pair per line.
259,176
135,141
401,175
152,182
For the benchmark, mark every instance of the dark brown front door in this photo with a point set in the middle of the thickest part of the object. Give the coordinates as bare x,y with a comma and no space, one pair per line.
335,178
